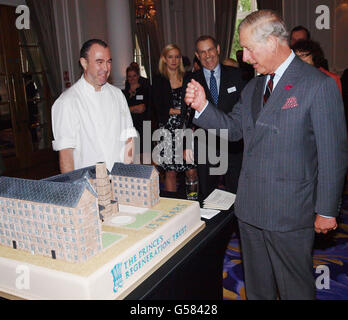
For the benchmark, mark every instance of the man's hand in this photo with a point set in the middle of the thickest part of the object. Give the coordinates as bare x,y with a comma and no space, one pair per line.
195,96
323,225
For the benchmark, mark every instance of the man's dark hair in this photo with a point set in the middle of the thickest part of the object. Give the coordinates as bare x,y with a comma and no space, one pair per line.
88,44
206,37
133,68
312,48
300,28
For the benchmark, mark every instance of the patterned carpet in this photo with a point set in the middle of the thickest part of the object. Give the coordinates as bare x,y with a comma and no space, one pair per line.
330,257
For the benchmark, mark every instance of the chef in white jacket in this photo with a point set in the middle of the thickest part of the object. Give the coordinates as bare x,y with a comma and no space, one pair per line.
91,121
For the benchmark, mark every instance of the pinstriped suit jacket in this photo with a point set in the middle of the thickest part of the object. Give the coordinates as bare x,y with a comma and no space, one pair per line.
295,159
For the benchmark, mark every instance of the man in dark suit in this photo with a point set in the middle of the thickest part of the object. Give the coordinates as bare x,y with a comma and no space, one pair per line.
295,158
227,88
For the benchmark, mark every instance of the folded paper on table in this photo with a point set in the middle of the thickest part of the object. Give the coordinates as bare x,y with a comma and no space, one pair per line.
219,199
209,213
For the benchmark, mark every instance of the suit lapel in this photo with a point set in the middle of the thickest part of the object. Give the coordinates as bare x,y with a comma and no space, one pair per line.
257,99
222,87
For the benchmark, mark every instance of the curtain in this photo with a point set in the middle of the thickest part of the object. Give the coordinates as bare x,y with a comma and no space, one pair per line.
150,38
276,5
42,19
226,13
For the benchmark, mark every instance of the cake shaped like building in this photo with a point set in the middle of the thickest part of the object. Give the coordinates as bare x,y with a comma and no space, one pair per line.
58,220
61,216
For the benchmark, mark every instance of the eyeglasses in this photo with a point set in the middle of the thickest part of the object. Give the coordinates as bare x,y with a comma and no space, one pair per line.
302,55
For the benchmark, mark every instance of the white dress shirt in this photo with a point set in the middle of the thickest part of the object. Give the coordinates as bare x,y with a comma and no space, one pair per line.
96,124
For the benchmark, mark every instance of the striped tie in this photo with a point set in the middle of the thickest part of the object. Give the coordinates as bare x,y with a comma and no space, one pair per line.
213,88
269,88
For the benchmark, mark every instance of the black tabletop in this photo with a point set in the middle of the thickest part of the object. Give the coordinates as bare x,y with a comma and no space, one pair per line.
200,257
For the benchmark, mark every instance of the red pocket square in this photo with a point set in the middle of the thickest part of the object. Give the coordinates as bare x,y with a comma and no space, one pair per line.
290,103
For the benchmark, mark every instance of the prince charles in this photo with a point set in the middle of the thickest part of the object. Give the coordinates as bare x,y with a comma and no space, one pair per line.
291,118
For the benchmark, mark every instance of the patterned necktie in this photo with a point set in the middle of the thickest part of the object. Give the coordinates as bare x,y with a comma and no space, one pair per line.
213,88
269,88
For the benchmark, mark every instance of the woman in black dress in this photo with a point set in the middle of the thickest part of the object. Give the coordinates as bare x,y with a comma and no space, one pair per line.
168,100
137,97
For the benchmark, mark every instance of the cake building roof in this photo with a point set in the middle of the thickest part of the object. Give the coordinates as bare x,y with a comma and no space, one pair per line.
132,170
40,191
74,175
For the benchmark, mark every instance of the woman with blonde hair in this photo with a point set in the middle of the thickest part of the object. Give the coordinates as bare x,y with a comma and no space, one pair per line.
168,100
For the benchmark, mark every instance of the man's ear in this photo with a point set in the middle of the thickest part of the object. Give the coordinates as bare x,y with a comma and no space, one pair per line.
272,43
218,49
196,54
83,63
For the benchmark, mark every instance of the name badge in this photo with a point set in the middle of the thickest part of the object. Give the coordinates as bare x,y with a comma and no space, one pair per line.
232,89
139,97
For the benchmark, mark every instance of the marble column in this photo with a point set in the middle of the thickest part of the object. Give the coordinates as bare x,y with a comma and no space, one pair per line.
119,39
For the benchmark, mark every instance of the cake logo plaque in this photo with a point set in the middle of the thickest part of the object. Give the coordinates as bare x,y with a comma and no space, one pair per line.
117,276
